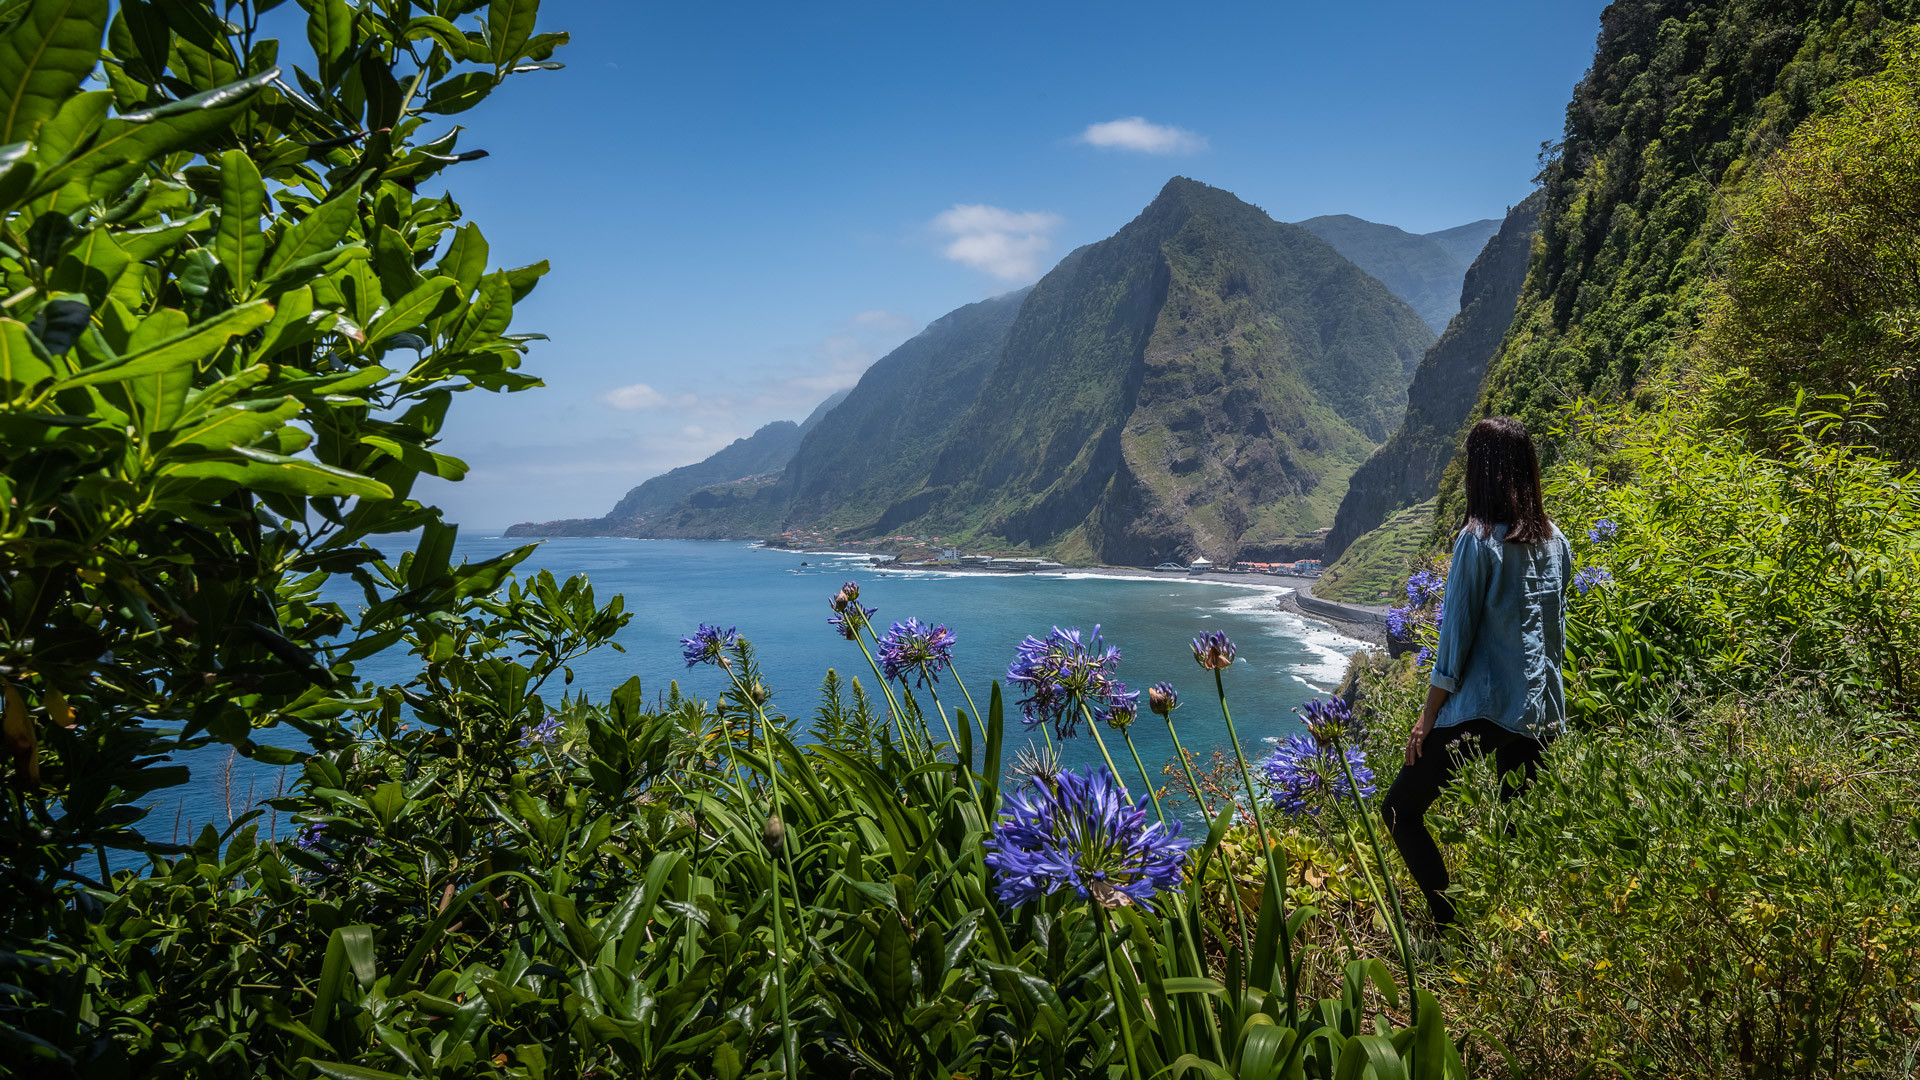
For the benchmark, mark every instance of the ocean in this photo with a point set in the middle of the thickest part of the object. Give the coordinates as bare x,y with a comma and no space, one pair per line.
779,601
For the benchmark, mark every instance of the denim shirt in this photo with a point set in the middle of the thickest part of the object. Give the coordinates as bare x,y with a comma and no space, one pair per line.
1503,633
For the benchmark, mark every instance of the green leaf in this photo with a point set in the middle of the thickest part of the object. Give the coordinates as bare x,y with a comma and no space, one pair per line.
320,232
448,35
349,1072
21,362
243,199
410,310
330,32
509,25
460,93
418,458
127,143
287,475
43,59
488,316
236,425
892,963
184,349
466,258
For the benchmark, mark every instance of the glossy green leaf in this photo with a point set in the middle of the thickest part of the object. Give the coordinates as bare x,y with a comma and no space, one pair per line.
22,361
280,473
330,32
125,144
410,310
509,25
316,235
43,59
460,93
181,350
243,199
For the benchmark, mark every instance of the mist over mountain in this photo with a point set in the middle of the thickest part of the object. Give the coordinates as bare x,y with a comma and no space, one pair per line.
1425,270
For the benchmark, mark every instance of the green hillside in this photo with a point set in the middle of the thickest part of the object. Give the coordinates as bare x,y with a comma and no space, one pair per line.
1205,378
1407,470
1369,569
881,443
1423,270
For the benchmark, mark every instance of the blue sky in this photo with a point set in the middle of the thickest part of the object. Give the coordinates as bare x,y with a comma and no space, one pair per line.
747,204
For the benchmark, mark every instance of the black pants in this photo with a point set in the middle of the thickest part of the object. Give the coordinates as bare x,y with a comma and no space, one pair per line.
1420,783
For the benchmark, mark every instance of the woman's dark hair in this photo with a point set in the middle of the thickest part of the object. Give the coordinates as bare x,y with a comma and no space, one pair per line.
1503,482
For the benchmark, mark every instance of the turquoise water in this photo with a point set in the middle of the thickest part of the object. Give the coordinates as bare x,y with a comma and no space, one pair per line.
778,600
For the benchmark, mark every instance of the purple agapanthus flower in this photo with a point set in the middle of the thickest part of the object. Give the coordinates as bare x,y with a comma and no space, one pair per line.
545,731
1424,656
1213,651
311,838
1121,705
1064,670
1399,622
1300,773
707,645
914,648
1327,717
1603,530
1081,832
1590,578
1424,586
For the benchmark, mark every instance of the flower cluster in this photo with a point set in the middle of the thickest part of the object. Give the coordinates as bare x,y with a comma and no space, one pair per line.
1603,530
1213,651
1425,586
1080,832
1067,669
1301,772
914,648
708,645
1590,578
849,616
545,731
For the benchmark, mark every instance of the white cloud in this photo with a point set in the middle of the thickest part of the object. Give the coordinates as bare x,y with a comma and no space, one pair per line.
1138,134
1004,243
641,396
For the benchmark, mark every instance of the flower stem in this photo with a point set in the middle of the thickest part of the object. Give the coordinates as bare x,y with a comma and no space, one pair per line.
979,721
966,767
1143,775
1380,858
1233,887
1102,744
1276,874
1113,982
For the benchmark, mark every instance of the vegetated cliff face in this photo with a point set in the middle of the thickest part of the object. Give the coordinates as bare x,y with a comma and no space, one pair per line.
737,473
1408,469
1205,378
882,441
1425,270
1683,99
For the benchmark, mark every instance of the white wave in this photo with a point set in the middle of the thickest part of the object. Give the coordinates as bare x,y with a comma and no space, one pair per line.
1329,648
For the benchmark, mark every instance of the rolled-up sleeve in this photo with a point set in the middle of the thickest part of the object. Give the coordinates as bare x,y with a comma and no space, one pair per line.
1460,611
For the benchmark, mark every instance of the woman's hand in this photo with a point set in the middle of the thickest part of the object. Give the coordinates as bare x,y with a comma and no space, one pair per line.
1423,727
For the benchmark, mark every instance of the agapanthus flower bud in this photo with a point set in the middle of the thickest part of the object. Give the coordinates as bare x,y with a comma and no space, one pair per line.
1162,698
774,833
758,693
848,593
1213,651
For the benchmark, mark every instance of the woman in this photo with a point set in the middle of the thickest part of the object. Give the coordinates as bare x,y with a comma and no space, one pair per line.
1496,674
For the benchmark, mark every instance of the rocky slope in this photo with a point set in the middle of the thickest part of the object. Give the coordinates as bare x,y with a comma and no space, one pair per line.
1203,380
1408,469
1425,270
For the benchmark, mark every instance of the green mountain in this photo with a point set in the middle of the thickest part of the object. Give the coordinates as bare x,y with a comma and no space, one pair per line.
883,441
740,469
1683,100
1425,270
1200,383
1407,470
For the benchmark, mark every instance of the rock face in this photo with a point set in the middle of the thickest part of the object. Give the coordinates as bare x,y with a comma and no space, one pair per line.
1424,269
1407,471
1204,378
